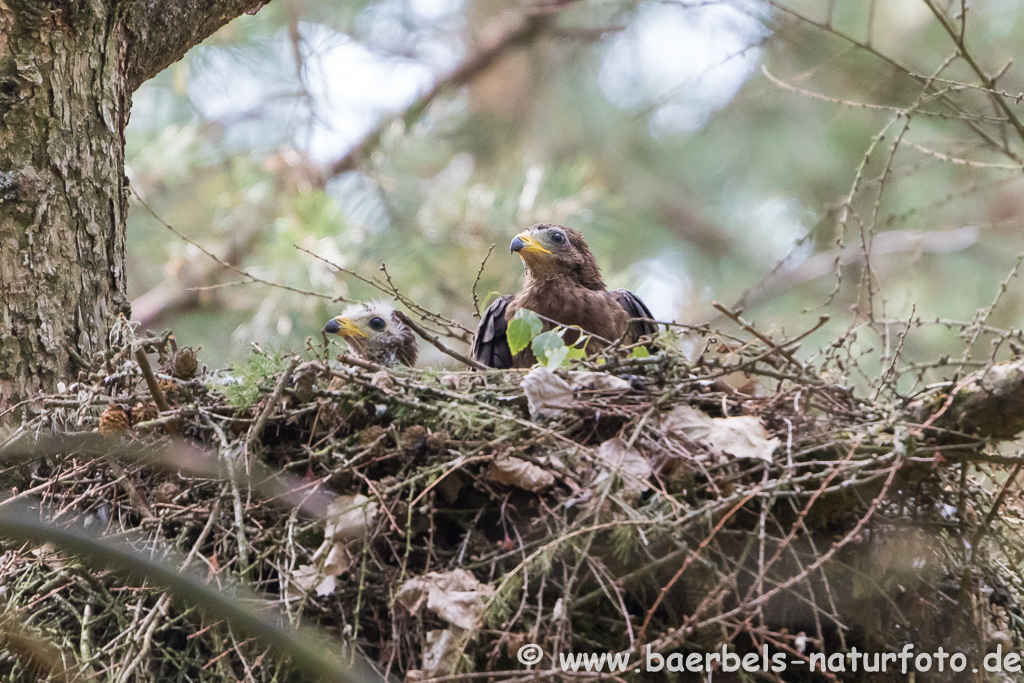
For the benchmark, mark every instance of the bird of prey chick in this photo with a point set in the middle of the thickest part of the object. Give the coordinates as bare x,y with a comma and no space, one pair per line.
563,283
376,333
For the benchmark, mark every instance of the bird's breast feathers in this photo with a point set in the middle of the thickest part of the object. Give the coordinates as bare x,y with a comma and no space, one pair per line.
596,312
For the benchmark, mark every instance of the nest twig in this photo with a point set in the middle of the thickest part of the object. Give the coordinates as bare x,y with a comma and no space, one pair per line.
795,553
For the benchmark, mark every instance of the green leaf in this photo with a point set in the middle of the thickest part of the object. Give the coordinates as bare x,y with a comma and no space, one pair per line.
577,350
576,353
639,352
523,328
558,358
549,349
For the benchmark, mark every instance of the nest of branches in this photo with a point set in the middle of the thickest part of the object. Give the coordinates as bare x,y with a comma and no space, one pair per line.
438,524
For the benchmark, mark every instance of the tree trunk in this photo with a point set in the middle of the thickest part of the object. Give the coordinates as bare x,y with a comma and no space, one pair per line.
63,108
67,71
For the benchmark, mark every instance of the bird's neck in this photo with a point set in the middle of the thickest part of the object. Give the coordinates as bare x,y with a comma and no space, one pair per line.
581,278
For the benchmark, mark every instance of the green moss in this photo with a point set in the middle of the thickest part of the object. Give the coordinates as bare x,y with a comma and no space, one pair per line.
242,386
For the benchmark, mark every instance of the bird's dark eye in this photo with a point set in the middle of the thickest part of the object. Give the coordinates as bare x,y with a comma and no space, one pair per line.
377,324
558,238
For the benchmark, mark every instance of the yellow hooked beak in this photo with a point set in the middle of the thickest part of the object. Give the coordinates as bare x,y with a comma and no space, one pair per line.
343,327
524,244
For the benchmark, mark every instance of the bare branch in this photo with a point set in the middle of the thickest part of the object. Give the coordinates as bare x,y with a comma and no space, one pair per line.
986,80
476,300
436,343
224,264
890,242
520,31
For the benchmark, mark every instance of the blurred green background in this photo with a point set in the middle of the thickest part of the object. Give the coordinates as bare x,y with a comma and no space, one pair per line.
652,126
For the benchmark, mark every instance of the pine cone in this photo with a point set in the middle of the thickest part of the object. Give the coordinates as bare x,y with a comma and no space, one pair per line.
166,492
171,390
437,440
413,440
369,437
144,412
370,434
185,363
114,421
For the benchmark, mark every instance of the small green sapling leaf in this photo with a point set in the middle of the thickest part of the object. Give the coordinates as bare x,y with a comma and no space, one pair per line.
522,329
639,352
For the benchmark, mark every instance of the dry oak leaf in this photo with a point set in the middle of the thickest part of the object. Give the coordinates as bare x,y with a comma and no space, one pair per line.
339,560
306,576
455,596
627,463
348,517
547,394
598,381
740,437
517,472
444,651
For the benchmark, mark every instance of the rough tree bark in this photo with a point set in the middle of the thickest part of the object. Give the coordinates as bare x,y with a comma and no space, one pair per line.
67,72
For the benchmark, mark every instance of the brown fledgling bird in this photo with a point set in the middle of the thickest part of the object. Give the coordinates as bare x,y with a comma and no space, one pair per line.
376,333
563,283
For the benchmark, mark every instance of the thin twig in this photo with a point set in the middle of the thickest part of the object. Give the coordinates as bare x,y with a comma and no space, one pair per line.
437,344
476,281
210,254
257,428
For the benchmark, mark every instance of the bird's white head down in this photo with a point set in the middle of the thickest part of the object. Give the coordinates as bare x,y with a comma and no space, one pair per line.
375,331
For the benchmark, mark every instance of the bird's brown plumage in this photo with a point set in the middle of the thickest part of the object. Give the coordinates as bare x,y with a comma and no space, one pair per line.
376,333
563,283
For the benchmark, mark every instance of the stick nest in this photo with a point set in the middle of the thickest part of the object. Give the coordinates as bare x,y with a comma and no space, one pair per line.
435,522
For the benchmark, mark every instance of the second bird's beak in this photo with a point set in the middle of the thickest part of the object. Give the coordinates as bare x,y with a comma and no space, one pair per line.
526,244
343,327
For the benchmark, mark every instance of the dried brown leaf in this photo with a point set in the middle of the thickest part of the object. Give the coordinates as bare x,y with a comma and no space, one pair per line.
626,463
444,650
517,472
348,517
547,394
455,596
741,437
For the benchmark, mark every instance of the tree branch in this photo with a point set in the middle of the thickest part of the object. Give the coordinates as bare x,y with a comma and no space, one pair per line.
988,403
180,291
519,30
986,80
823,263
160,32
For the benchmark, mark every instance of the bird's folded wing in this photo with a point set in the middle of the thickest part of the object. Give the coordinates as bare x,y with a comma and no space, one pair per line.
490,345
636,308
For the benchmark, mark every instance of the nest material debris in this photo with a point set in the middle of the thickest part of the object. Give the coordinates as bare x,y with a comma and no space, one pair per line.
632,504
